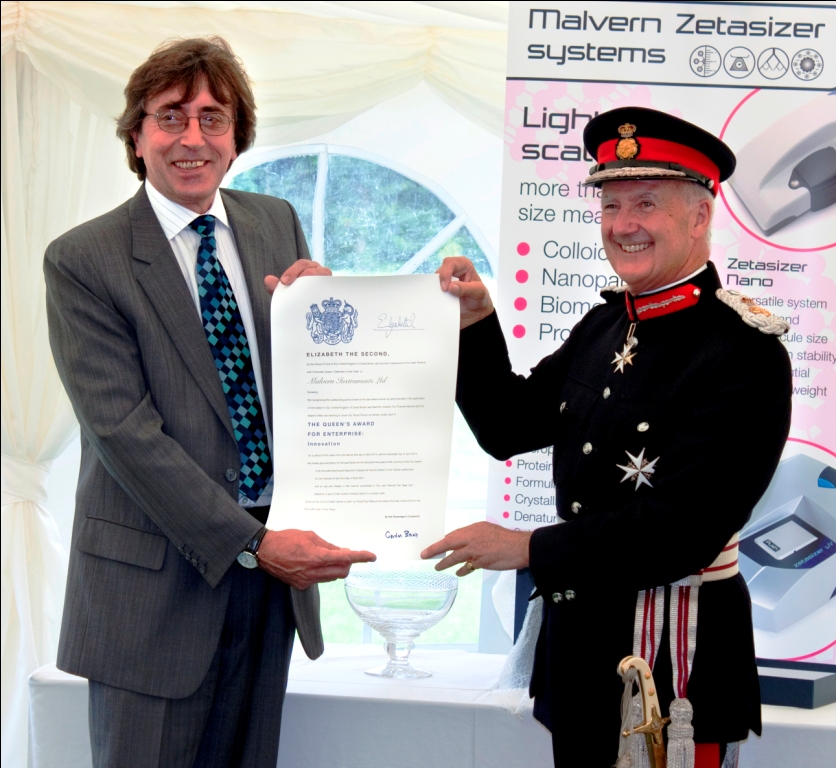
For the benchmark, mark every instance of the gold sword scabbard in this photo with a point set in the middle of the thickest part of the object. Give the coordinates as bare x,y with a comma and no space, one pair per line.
653,723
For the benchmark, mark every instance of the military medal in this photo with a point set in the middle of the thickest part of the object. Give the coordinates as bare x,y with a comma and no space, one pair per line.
625,357
639,469
649,307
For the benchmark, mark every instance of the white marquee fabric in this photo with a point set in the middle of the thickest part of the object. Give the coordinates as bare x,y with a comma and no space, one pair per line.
64,65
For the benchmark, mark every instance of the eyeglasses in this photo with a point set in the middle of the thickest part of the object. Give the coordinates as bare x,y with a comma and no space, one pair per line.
175,121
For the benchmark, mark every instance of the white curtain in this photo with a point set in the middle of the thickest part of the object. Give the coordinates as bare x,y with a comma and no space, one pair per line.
64,66
56,172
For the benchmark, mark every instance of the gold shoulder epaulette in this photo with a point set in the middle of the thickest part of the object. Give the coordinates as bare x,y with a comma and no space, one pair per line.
753,313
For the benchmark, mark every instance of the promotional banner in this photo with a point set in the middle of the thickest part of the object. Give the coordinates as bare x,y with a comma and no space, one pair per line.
761,77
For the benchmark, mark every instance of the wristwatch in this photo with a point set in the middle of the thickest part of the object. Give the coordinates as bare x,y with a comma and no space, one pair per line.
249,557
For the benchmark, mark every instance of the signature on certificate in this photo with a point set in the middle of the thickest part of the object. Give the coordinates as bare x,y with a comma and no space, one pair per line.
388,323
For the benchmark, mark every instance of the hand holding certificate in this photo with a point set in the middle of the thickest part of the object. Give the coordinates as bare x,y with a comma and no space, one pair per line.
364,373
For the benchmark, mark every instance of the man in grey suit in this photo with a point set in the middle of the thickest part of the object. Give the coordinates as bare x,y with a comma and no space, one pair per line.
180,606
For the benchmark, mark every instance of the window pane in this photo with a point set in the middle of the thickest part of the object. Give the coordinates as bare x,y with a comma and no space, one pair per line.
460,244
468,483
376,219
339,623
291,178
461,625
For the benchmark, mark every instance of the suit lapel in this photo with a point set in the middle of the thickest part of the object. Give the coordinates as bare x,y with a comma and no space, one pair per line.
254,251
163,283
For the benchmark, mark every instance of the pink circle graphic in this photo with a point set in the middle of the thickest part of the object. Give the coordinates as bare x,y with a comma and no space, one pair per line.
519,331
508,463
507,497
522,276
507,481
734,215
506,515
523,249
520,303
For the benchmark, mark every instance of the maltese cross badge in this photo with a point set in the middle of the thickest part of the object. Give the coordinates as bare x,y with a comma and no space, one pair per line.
639,469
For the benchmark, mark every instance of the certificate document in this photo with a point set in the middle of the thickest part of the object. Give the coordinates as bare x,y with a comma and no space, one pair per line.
364,377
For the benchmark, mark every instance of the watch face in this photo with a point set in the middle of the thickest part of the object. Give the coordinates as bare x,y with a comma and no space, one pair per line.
248,560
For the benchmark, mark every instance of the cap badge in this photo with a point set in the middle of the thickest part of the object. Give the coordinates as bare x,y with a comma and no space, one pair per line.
627,147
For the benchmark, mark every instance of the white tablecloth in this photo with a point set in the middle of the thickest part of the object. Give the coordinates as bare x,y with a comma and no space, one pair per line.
335,715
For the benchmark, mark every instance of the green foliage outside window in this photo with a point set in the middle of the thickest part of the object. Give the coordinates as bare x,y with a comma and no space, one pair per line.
376,219
291,178
460,244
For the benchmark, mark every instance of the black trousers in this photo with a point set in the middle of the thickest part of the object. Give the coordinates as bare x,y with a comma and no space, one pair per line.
234,718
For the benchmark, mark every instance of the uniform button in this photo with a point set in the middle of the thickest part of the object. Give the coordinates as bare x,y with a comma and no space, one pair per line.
201,569
570,594
194,562
606,392
576,507
643,427
557,597
230,475
587,448
563,406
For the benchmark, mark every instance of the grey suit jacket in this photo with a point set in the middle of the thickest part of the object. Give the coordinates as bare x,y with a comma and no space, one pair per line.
157,523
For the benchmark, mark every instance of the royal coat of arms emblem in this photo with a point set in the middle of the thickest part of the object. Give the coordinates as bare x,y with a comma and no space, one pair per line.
332,324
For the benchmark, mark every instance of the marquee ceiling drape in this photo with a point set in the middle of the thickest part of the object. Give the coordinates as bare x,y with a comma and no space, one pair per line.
307,60
314,65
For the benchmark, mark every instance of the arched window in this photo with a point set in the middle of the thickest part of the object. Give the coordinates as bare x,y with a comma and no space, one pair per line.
365,215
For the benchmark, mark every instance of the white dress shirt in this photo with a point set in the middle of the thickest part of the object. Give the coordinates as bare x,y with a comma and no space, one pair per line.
175,220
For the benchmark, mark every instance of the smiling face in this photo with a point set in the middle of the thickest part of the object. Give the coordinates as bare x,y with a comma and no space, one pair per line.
187,167
654,232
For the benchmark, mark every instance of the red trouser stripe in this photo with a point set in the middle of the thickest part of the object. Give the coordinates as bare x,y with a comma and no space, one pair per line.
707,756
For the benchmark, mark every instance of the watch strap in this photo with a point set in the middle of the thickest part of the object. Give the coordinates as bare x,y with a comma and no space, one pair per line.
255,542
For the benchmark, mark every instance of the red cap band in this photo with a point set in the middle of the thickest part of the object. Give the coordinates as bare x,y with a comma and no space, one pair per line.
662,151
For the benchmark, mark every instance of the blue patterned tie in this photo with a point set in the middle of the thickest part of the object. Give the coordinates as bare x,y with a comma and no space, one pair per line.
228,341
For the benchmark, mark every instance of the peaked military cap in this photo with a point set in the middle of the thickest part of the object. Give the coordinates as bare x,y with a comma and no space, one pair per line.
637,143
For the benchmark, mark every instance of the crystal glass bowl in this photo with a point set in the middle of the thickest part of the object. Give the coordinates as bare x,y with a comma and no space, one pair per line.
400,605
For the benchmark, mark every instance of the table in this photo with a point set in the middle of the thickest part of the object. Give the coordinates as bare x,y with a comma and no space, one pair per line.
334,715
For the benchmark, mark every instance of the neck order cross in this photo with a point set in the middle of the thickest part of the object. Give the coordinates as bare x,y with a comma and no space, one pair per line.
227,339
648,307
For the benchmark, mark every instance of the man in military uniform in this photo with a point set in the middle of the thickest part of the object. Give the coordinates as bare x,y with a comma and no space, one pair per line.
668,407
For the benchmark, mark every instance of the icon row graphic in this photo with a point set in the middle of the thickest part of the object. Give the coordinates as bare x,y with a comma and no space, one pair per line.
740,62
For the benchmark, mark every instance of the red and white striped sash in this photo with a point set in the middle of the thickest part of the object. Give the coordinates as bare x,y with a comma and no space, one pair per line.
682,623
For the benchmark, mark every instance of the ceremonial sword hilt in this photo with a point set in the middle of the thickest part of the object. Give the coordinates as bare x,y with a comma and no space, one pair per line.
653,723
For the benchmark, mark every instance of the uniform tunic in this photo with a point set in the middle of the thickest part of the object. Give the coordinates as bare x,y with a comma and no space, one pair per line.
708,398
